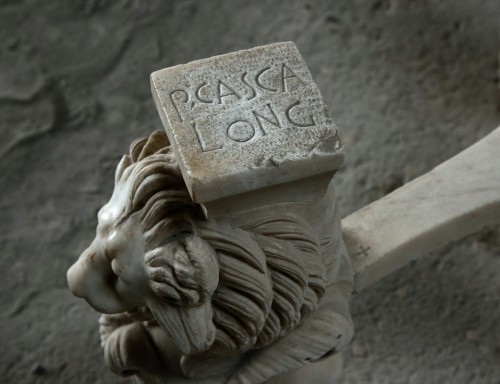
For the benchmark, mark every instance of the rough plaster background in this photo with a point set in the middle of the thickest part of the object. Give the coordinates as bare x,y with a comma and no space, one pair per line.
409,83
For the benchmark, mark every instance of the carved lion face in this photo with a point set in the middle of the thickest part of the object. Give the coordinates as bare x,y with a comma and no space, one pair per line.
117,273
146,254
110,273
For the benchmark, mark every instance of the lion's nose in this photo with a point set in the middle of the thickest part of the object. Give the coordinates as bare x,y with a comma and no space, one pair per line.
91,278
79,273
72,278
76,275
77,279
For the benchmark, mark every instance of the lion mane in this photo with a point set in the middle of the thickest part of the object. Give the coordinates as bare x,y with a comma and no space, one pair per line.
251,284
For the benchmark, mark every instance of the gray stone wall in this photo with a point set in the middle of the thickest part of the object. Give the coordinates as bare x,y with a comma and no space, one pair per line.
409,83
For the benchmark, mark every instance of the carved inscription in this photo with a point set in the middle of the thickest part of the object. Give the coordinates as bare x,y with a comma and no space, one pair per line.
246,120
230,93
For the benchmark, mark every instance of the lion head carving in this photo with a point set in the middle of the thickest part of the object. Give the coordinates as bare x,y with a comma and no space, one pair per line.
214,289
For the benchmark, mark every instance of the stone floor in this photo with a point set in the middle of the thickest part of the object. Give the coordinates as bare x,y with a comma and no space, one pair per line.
409,83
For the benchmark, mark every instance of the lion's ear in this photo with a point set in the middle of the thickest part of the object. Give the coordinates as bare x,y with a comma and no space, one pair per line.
183,274
190,328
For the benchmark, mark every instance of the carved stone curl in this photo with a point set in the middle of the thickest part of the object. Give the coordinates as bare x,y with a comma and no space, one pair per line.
239,299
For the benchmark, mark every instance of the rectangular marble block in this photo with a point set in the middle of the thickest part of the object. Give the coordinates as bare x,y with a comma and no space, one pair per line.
245,121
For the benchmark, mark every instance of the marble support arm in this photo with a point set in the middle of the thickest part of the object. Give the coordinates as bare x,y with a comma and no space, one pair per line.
457,198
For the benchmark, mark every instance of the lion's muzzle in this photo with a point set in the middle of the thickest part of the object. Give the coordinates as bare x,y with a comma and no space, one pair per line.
92,278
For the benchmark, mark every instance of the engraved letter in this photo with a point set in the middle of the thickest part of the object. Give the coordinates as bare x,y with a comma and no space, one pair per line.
244,80
186,98
287,73
206,101
311,123
202,144
257,80
241,131
274,121
228,91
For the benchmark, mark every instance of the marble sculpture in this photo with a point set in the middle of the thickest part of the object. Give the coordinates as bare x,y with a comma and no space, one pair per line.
210,258
220,257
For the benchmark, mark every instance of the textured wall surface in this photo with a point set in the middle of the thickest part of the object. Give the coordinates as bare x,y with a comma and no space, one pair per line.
409,83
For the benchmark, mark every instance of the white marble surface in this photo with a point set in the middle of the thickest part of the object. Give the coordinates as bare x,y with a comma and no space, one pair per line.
458,197
246,120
